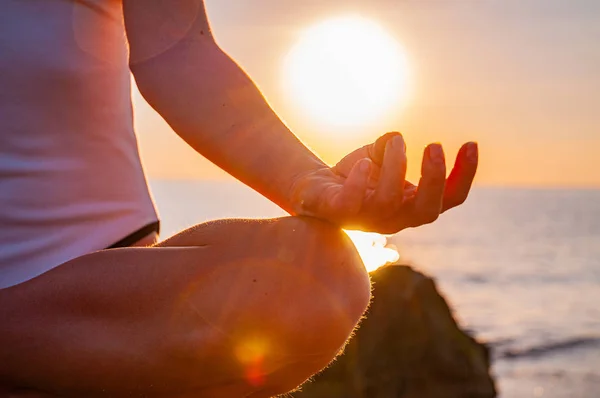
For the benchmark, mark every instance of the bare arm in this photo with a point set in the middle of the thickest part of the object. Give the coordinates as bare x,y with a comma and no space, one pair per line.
213,105
209,100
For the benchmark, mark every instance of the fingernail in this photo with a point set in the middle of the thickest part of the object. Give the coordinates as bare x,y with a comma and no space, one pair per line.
436,153
365,166
398,142
472,152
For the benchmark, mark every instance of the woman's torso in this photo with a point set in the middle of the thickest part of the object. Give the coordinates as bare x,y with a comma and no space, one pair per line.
71,180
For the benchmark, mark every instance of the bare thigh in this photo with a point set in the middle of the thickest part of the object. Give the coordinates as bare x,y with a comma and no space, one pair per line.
174,314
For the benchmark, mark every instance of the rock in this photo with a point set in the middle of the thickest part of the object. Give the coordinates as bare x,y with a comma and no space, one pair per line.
409,346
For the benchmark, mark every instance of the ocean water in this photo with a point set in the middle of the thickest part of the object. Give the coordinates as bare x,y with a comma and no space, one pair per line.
520,267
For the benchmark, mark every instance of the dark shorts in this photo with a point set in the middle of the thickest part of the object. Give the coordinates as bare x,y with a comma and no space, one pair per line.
137,235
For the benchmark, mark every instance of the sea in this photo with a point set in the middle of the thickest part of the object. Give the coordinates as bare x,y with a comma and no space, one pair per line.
520,268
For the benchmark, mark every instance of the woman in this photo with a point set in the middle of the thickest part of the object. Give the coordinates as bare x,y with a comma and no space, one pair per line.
234,308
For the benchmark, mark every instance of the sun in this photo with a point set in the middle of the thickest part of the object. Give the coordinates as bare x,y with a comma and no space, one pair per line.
346,71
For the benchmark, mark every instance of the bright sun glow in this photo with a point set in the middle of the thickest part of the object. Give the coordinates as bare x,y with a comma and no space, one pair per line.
373,249
346,72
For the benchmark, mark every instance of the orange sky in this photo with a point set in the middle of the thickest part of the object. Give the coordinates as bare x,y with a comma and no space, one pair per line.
520,77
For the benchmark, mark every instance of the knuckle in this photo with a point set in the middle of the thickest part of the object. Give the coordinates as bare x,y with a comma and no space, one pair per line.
457,201
429,216
460,200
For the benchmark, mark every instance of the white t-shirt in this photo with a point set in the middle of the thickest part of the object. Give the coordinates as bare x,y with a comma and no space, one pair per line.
71,180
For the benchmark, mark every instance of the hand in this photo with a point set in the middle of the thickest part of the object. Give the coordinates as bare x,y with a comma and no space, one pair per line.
367,189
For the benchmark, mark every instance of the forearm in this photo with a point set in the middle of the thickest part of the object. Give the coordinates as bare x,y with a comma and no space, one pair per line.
213,105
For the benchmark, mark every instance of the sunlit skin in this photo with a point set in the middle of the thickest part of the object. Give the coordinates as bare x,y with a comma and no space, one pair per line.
230,308
367,189
192,316
348,71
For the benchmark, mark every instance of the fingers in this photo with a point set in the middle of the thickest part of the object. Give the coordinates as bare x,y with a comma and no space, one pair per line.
410,190
349,200
430,193
461,178
377,149
390,188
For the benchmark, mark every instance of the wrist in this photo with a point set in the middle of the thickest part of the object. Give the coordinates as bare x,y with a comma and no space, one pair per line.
298,188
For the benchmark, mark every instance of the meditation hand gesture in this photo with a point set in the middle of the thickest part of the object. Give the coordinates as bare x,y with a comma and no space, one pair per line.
367,189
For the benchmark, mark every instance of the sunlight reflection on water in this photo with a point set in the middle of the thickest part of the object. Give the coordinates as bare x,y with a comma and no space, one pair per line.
373,249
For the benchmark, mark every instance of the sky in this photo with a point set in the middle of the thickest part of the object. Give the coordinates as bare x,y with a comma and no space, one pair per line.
521,77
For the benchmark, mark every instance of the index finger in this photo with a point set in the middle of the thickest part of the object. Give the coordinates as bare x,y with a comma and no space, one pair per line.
390,187
376,150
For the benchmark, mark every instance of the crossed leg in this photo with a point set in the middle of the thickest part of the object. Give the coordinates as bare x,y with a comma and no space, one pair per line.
230,308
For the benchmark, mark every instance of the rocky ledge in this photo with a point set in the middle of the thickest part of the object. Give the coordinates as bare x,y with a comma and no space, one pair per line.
408,346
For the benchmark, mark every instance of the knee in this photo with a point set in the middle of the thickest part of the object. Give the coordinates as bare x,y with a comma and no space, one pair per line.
329,255
326,253
327,310
302,289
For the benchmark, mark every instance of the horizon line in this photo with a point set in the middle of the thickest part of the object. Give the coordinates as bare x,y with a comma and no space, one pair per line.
232,180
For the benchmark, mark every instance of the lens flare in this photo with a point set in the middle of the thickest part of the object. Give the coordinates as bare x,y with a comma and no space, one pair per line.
251,354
